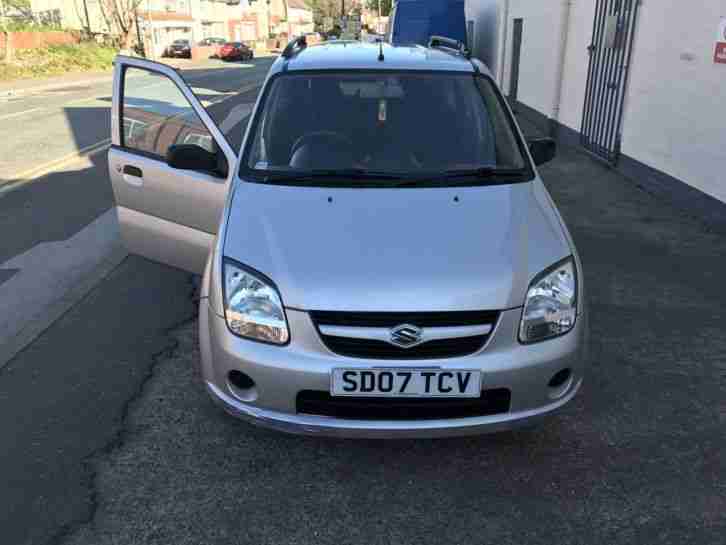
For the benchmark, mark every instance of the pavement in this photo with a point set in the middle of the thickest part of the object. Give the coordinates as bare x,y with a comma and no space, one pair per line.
25,86
114,440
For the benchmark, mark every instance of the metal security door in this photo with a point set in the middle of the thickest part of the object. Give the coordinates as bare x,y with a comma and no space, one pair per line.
610,53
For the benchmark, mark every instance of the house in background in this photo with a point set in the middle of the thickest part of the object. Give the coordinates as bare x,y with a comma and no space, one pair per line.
160,21
299,18
211,18
71,14
271,24
163,21
256,20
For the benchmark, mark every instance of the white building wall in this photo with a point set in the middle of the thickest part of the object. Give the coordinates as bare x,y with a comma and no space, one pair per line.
577,62
72,13
485,17
539,54
674,118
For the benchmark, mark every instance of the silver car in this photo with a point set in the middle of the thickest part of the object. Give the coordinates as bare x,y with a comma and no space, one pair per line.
380,259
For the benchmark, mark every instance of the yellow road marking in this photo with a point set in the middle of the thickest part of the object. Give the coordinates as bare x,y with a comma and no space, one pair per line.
39,171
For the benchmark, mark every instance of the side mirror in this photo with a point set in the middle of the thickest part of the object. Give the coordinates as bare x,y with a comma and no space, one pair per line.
192,157
543,150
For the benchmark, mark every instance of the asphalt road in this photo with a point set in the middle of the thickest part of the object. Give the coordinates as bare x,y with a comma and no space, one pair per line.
124,447
40,127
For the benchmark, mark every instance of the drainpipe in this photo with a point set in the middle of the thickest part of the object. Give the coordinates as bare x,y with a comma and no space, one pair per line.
505,38
560,74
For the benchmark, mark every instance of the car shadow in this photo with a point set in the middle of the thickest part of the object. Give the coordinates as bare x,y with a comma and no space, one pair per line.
54,206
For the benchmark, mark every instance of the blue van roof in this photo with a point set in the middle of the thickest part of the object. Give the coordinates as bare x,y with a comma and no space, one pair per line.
415,21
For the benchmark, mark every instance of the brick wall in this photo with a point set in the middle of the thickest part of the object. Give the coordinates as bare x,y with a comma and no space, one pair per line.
35,40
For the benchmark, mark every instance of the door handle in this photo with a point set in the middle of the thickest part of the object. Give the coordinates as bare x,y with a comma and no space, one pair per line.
133,175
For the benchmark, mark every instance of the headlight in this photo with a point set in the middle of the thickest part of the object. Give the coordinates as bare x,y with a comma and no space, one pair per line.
550,308
252,305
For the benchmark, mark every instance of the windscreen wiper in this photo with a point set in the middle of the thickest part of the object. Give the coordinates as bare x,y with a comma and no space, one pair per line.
485,172
329,174
446,177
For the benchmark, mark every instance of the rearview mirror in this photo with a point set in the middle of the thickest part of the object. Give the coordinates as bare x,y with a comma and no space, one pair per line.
543,150
192,157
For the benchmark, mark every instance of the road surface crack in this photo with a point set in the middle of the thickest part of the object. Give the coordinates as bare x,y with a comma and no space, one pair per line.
92,461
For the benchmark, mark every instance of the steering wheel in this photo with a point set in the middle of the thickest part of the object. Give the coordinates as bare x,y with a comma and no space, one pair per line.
322,137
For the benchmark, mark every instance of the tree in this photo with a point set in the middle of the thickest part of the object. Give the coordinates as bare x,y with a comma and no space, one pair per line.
120,17
15,7
385,6
323,9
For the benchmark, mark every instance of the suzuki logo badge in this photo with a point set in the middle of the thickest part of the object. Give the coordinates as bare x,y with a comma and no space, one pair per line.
406,335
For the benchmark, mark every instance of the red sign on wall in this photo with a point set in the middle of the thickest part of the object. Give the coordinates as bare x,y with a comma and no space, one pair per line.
720,55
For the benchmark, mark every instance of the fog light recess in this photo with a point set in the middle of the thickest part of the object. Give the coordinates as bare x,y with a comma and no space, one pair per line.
560,378
241,385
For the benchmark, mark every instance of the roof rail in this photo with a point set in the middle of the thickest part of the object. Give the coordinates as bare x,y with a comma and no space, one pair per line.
295,46
449,43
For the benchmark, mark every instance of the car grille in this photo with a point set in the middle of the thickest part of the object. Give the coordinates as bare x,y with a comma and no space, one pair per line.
377,349
319,403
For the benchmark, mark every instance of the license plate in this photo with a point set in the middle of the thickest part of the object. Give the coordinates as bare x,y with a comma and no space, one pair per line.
406,382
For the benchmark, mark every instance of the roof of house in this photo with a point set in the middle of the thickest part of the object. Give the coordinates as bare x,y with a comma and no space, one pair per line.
355,55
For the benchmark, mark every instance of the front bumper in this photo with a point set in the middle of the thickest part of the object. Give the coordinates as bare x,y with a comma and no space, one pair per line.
305,364
382,429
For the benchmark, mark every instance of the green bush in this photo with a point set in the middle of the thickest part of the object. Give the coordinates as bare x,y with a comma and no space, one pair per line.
57,59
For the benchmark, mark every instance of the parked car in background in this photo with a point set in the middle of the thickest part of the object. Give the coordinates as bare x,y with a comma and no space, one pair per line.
236,51
179,48
216,43
212,41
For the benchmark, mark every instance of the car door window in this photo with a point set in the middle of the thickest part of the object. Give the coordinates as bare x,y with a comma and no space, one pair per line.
156,115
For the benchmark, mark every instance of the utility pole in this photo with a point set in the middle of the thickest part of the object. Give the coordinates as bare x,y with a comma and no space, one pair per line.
142,45
378,26
150,27
8,35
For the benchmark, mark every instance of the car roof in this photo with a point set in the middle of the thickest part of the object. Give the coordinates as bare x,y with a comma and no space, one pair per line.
355,55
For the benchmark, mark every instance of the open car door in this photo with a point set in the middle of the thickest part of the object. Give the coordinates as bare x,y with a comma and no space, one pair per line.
170,165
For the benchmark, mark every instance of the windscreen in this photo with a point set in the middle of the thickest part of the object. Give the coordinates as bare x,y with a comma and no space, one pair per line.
396,123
